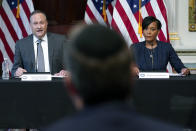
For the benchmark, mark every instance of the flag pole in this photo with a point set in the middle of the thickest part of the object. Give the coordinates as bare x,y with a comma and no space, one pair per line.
104,11
18,9
140,19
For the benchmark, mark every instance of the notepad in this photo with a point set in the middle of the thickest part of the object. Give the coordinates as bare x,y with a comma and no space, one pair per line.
36,77
150,75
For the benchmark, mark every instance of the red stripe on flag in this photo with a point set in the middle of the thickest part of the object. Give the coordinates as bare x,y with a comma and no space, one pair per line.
149,9
114,26
164,14
151,13
126,22
1,57
7,47
9,25
110,8
162,9
26,9
94,14
24,32
90,14
162,36
137,16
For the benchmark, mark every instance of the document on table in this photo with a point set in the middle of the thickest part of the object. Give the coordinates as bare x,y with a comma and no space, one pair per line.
176,74
54,76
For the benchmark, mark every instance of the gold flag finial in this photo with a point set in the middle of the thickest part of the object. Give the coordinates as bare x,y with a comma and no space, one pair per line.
140,19
18,9
104,11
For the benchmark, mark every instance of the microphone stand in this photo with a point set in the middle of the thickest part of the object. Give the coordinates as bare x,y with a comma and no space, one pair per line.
152,57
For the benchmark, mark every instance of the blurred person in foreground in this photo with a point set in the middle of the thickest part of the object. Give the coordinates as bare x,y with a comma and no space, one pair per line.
99,61
52,46
154,55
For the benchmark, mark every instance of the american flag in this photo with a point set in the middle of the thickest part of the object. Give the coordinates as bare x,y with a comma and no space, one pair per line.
126,18
95,11
13,27
123,16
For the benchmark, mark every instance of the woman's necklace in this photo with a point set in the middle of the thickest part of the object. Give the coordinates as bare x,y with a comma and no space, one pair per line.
150,51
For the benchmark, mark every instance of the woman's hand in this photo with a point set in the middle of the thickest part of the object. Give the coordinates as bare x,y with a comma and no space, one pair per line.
185,71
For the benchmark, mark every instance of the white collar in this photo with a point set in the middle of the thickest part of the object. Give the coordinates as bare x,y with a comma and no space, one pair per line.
43,38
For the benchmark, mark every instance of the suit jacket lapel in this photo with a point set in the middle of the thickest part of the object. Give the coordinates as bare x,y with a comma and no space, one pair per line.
31,51
50,50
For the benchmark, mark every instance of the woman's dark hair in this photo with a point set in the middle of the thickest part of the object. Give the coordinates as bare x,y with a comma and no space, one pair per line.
148,20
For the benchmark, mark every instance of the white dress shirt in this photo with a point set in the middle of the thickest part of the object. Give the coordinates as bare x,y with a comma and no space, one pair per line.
44,45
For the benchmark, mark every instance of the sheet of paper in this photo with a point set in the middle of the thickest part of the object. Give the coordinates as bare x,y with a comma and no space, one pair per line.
53,76
36,77
150,75
175,74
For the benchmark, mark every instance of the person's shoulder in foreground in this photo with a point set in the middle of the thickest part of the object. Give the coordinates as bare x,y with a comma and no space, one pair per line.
110,117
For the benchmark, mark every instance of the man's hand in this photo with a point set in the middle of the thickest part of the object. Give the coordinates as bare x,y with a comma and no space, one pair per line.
136,71
63,73
19,71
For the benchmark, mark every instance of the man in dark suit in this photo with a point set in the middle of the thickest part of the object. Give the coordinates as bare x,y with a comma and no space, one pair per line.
99,62
52,47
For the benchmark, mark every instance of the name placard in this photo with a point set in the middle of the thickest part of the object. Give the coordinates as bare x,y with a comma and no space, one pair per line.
36,77
154,75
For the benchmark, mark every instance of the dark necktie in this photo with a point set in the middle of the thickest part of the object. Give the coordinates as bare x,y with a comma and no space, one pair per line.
40,57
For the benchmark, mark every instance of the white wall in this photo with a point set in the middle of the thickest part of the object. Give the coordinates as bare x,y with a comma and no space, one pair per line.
178,22
187,39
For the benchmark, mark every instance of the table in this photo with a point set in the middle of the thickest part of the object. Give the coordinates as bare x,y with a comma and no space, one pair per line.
172,100
36,104
33,104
